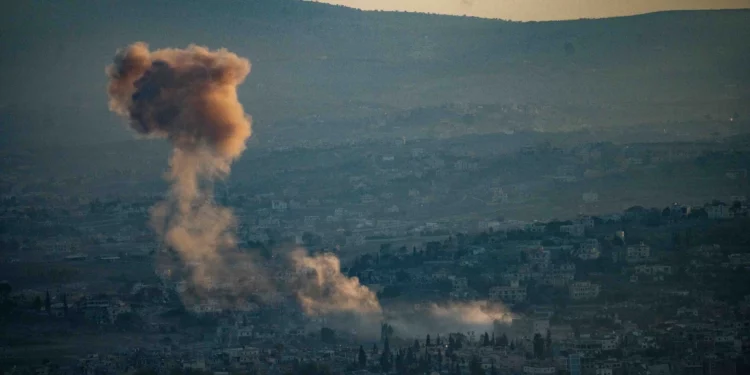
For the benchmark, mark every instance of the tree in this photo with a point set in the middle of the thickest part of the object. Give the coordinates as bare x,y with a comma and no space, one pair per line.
37,303
47,304
400,363
538,346
386,331
548,344
362,357
65,304
503,340
385,357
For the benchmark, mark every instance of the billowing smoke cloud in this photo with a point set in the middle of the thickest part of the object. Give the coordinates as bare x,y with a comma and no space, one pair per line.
448,317
323,289
188,96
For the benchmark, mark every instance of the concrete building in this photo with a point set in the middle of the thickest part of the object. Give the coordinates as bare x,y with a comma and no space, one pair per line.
638,253
583,290
510,294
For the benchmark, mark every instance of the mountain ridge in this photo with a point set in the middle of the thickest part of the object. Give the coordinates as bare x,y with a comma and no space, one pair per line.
316,62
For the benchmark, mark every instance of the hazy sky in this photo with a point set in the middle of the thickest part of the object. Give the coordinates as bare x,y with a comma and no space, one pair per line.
539,10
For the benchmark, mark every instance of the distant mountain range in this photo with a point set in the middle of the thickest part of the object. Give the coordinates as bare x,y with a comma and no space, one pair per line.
320,71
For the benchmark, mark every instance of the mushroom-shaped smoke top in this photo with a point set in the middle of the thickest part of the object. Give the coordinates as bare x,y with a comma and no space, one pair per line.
187,95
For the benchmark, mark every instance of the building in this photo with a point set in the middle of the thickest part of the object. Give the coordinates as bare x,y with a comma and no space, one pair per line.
279,206
511,294
638,253
539,257
539,368
653,269
589,250
574,364
528,326
460,283
583,290
575,230
718,211
739,259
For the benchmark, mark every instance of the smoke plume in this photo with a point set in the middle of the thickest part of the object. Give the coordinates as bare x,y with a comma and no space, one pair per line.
448,317
323,289
188,96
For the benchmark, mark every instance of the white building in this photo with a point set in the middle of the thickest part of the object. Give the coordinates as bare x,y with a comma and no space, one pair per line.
586,221
718,211
279,206
609,342
539,368
539,257
528,326
510,294
582,290
653,269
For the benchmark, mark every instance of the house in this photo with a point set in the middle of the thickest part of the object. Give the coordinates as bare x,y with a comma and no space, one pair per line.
739,259
459,283
653,269
539,368
679,210
510,294
583,290
589,250
539,257
499,196
528,326
392,209
493,225
575,230
638,253
718,211
279,206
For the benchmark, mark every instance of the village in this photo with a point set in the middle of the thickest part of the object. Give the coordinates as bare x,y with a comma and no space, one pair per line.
644,291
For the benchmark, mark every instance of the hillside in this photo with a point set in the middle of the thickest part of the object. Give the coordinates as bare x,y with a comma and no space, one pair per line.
323,72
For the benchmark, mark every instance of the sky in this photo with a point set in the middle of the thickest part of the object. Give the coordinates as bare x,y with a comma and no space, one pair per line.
540,10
